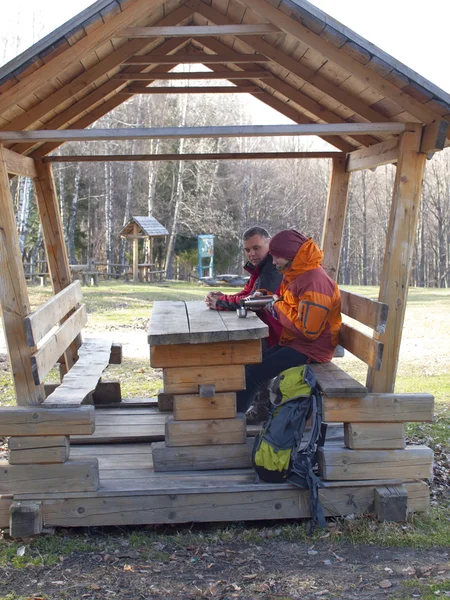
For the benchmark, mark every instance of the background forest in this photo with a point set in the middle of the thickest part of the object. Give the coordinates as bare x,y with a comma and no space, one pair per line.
225,197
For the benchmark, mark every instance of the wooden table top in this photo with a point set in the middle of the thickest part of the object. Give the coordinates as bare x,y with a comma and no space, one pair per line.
193,323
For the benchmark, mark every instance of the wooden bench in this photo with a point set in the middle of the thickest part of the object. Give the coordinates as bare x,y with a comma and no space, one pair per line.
374,434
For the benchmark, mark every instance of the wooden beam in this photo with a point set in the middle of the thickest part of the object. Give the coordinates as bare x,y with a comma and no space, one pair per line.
362,346
319,112
21,421
185,58
82,135
55,67
300,32
244,89
383,153
87,78
198,30
14,299
334,222
254,74
16,164
55,247
303,72
400,241
198,156
368,312
434,137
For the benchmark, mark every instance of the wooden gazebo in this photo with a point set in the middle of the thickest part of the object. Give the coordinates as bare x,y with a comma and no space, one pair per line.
143,228
331,83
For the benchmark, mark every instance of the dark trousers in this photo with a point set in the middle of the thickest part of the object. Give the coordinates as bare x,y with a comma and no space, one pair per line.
274,360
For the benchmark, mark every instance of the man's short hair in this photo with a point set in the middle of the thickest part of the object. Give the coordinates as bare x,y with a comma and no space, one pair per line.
256,231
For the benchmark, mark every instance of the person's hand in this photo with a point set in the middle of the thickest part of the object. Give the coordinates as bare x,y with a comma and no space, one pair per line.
212,294
256,295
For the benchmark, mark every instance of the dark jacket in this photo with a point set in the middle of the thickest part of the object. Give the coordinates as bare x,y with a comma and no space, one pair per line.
264,276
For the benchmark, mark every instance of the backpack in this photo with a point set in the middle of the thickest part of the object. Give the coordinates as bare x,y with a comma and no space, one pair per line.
278,453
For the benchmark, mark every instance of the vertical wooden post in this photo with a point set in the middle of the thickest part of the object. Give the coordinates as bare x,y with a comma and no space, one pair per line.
14,298
336,210
398,254
53,236
150,256
135,255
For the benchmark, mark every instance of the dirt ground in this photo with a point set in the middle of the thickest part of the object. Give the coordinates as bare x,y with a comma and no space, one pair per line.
272,568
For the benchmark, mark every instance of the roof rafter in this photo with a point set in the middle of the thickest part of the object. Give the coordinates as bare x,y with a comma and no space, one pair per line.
87,78
131,13
187,58
344,60
319,82
313,107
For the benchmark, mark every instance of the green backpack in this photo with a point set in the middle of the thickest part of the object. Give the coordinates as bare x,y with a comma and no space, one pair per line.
279,454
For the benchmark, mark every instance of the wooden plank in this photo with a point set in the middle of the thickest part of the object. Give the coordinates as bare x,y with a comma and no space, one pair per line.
418,496
190,157
78,476
218,353
191,407
14,298
343,464
24,421
321,129
333,381
391,503
205,433
83,377
383,153
44,318
201,458
185,380
38,450
186,58
54,68
244,329
205,325
5,504
379,408
401,235
16,164
374,436
192,89
168,323
51,349
221,505
107,392
369,312
115,357
367,349
198,30
333,228
199,75
434,137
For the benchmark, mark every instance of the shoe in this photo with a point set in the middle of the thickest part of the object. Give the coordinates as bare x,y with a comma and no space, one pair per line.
257,413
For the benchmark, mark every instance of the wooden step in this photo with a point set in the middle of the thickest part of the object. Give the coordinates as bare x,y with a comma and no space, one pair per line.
201,458
32,421
38,450
343,464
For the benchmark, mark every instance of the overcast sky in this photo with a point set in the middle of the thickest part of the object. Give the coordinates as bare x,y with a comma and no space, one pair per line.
413,32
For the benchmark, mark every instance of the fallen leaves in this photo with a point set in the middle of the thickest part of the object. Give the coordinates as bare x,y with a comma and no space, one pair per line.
385,584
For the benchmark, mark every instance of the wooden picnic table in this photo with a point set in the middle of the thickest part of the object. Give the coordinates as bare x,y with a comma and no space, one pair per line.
203,354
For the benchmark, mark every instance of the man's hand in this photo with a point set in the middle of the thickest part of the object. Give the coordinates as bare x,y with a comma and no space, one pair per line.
211,299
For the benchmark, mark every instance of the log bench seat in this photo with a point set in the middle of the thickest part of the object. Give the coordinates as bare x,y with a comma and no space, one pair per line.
54,331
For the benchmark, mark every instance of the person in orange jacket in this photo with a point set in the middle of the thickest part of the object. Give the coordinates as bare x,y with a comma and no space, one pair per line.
308,308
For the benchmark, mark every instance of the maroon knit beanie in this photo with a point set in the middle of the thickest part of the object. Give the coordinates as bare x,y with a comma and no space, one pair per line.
286,243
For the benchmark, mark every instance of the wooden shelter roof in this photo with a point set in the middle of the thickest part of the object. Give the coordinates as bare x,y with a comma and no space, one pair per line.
149,227
304,64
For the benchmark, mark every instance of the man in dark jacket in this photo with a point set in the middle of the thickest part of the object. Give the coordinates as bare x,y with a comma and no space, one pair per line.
264,276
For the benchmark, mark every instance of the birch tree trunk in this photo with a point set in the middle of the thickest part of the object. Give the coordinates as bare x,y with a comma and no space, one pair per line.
109,214
73,216
23,212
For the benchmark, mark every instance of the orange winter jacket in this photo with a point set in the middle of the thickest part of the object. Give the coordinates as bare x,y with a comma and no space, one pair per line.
310,308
